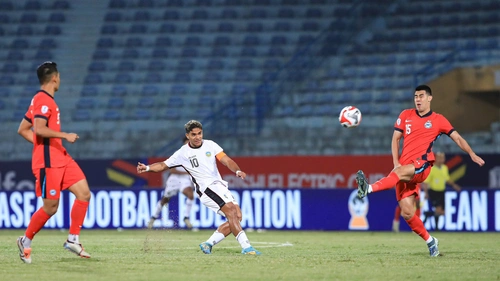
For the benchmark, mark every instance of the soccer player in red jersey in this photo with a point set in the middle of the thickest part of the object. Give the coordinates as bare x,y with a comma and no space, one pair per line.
419,128
53,167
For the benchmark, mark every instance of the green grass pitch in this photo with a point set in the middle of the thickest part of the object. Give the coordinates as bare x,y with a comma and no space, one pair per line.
287,255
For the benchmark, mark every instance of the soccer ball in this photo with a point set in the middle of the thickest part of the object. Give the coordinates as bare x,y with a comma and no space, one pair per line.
350,117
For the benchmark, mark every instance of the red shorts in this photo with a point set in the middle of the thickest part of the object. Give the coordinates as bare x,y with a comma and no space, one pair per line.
50,181
405,189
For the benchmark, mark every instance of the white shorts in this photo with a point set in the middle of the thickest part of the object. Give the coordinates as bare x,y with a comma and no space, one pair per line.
215,196
175,184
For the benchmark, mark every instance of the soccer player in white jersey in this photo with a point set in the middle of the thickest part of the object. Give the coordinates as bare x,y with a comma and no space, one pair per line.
178,180
198,158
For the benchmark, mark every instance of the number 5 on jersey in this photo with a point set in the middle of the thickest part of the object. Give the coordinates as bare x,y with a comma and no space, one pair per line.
408,129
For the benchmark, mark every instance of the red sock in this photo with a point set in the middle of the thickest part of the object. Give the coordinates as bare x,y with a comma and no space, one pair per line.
78,213
386,183
397,213
38,220
418,227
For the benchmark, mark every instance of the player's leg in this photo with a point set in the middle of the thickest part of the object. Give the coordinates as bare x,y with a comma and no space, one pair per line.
439,208
74,180
188,192
402,173
405,193
159,206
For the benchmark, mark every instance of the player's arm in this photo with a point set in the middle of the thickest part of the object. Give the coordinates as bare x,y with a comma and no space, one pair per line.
396,138
42,130
462,143
454,185
155,167
230,164
25,130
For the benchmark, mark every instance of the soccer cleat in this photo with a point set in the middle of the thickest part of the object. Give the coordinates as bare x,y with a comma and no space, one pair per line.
433,247
24,253
188,223
362,184
151,222
395,226
250,251
76,248
206,247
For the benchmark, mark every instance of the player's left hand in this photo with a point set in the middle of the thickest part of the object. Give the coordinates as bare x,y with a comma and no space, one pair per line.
477,159
242,175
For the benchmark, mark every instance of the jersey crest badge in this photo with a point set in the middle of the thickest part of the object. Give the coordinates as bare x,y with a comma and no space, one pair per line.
428,124
208,154
45,109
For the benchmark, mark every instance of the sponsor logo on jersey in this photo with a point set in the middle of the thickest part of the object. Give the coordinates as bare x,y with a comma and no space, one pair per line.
45,109
52,192
398,121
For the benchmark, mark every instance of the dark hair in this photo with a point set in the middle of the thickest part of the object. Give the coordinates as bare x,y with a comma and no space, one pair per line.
191,125
425,88
45,71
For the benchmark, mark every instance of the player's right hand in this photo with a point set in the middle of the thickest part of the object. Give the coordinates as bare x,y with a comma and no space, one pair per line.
71,137
141,168
477,159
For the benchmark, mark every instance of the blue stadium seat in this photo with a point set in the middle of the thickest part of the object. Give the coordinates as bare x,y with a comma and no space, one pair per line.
229,14
212,76
251,40
203,3
205,102
97,66
115,103
142,16
32,5
305,39
175,3
23,104
258,14
153,77
57,18
126,66
225,27
215,64
248,52
286,13
112,115
60,5
24,30
140,114
138,29
86,103
277,40
28,18
4,18
109,29
19,43
222,41
199,15
255,27
282,26
244,64
7,80
383,97
314,13
146,4
123,78
276,52
105,42
119,91
243,76
310,26
130,54
81,115
209,89
192,41
171,114
116,4
10,67
178,90
171,15
52,30
163,42
168,28
175,102
150,90
89,91
156,65
43,55
146,102
272,64
185,65
262,2
189,52
196,27
113,16
6,6
182,77
219,52
133,42
100,54
93,78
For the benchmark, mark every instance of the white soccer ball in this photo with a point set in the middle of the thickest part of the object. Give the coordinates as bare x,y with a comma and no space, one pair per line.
350,117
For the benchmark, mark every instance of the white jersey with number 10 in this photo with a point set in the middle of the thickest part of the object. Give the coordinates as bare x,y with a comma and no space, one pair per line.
199,162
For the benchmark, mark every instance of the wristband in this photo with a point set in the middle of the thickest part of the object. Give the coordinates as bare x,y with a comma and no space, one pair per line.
147,168
237,172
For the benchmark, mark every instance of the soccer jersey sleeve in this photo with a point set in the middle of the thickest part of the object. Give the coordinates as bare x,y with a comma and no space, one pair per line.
28,116
445,126
399,124
216,148
42,108
174,160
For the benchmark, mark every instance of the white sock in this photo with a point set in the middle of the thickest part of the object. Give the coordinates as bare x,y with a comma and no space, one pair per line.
370,190
26,242
216,238
73,238
158,210
189,204
429,240
243,240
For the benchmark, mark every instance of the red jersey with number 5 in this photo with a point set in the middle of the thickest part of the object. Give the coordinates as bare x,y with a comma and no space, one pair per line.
420,133
47,152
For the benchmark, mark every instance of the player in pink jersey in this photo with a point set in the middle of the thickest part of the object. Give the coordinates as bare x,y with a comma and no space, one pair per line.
419,128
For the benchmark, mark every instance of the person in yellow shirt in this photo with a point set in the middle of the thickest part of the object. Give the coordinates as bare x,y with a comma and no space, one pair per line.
435,185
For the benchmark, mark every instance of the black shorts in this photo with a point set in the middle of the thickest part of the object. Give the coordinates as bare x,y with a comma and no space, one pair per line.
436,198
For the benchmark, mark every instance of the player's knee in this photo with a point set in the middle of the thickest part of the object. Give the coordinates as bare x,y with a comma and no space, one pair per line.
231,212
84,196
50,209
